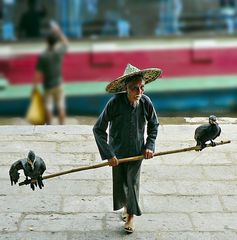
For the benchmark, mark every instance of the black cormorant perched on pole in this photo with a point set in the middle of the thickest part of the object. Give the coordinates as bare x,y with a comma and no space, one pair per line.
33,167
207,132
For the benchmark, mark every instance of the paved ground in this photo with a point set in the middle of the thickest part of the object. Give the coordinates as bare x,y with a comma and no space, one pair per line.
191,196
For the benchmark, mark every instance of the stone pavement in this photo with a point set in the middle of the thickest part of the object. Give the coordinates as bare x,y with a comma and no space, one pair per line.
185,196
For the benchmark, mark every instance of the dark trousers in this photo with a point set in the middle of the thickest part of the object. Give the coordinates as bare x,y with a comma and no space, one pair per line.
126,182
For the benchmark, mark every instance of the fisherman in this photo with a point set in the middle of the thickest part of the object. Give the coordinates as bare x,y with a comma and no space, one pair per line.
127,113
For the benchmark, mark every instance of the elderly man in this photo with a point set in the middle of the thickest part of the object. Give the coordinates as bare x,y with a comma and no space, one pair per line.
127,113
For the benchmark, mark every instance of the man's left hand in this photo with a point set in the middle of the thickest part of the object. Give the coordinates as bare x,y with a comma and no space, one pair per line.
148,154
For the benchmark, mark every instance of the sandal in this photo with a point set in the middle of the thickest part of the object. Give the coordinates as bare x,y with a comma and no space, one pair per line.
129,227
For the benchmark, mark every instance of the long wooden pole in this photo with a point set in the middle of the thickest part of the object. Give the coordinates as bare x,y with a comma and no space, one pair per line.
124,160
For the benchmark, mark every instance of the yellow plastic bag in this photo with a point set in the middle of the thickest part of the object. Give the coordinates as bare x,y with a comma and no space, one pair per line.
36,113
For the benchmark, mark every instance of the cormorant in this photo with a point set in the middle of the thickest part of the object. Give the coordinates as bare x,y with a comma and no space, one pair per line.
207,132
33,167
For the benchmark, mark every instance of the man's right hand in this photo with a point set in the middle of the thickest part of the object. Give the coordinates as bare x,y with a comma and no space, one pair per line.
54,27
113,162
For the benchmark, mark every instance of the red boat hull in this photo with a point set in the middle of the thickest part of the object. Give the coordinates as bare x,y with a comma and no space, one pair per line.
108,65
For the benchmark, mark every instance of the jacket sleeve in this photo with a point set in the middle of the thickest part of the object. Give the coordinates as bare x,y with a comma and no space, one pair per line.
100,134
152,127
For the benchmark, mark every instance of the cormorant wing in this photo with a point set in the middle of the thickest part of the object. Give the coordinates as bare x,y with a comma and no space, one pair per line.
13,172
42,166
200,132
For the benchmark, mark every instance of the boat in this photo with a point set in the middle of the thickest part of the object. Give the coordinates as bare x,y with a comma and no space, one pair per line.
106,60
199,75
171,97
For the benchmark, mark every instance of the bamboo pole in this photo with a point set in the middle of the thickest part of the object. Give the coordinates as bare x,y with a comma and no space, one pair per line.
124,160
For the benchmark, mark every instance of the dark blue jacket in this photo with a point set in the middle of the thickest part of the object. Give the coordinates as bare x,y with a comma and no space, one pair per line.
126,127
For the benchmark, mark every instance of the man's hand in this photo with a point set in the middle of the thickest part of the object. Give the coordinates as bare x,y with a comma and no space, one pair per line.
148,154
54,27
113,162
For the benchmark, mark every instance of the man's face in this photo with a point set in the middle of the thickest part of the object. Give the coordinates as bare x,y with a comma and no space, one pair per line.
135,89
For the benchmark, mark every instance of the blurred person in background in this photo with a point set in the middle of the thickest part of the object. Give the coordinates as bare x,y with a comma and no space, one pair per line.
169,14
127,114
123,24
177,9
92,7
227,13
70,16
110,23
31,21
49,71
116,20
161,28
221,13
7,26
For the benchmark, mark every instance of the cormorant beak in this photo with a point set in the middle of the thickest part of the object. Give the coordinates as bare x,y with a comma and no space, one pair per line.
31,164
212,122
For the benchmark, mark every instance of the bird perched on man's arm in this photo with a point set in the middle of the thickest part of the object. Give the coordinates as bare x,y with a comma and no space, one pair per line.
207,132
33,167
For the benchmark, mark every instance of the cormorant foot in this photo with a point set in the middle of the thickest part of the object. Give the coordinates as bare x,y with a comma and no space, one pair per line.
203,146
213,144
200,147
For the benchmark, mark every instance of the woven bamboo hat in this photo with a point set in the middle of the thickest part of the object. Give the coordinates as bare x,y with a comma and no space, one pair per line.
148,75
